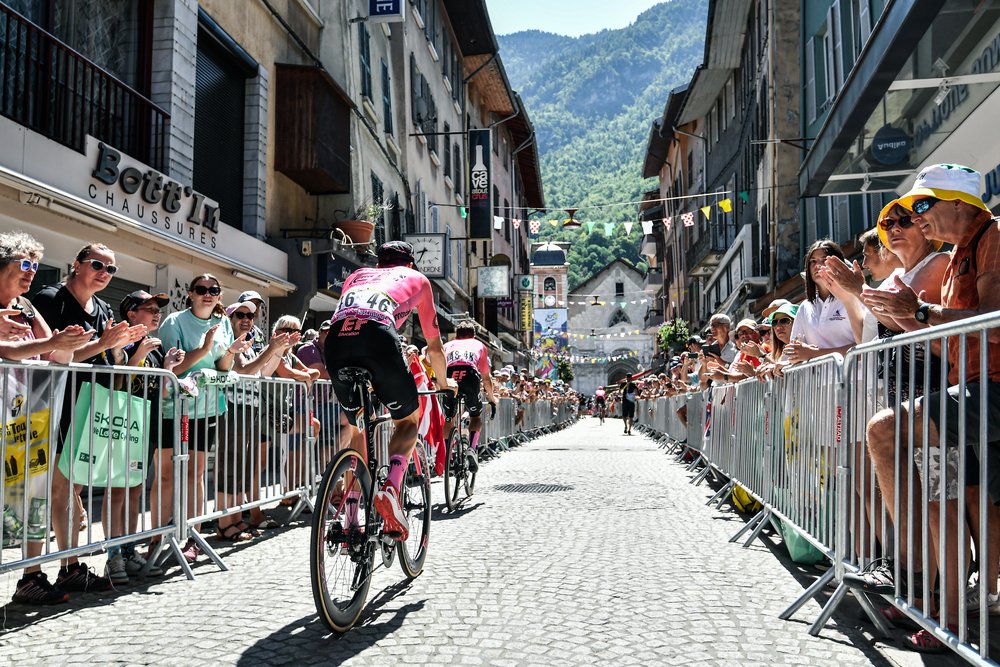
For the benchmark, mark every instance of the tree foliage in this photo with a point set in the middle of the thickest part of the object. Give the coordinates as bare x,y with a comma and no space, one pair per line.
564,369
592,100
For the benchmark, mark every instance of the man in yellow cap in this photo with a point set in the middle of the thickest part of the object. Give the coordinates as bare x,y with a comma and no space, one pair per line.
945,202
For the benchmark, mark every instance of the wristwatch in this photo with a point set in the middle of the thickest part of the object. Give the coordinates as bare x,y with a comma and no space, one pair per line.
923,313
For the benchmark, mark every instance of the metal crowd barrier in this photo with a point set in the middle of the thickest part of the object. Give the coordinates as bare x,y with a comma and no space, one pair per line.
76,437
160,456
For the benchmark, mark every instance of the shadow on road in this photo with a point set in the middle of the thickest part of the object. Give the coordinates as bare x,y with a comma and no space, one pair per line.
308,638
440,513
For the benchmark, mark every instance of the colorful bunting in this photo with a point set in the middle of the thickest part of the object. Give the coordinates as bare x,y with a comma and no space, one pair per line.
554,223
534,226
726,205
667,222
745,196
688,219
647,226
707,211
590,227
517,223
609,228
497,222
628,227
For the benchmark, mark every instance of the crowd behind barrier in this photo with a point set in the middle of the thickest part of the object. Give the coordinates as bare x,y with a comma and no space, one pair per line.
150,482
796,444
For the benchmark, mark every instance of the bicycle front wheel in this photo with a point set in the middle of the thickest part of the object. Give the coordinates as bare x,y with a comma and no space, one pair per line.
416,503
454,471
341,557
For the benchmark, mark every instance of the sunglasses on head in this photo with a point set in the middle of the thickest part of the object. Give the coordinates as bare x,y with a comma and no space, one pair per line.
202,290
243,315
98,265
782,320
921,206
28,265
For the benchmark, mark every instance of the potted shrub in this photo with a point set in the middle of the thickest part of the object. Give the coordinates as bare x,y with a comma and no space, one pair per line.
359,225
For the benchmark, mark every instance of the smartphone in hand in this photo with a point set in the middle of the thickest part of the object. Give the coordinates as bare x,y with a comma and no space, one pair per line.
712,350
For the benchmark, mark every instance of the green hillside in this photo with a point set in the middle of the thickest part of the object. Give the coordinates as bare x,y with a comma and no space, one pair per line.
592,100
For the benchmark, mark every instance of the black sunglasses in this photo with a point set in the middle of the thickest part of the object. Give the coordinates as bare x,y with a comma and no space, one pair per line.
98,265
288,330
904,222
782,320
921,206
243,315
201,290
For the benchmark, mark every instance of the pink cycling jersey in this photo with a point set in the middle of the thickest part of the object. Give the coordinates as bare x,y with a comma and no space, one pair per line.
599,393
388,296
467,352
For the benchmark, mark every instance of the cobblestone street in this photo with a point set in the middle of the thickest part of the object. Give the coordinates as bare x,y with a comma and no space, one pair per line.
581,547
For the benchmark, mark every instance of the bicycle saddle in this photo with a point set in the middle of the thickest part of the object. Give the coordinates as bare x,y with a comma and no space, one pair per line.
353,374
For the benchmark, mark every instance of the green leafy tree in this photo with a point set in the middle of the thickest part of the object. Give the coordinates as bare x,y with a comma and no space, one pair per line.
564,369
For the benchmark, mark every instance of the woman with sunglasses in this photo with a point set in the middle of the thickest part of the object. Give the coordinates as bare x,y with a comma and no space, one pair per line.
239,442
26,335
75,302
781,321
203,331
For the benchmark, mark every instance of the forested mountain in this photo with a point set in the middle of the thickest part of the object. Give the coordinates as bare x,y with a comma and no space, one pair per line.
592,100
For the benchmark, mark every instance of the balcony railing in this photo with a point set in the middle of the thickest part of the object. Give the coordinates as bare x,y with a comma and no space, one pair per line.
48,87
712,242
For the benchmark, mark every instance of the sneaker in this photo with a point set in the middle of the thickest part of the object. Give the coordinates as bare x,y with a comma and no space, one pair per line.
191,551
876,577
387,505
115,569
473,461
135,565
34,588
78,577
972,601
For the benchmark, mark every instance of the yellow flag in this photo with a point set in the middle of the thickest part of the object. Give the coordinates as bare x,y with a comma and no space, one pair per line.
726,205
707,210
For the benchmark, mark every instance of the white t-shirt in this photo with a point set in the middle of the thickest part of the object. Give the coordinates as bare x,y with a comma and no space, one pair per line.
870,330
824,324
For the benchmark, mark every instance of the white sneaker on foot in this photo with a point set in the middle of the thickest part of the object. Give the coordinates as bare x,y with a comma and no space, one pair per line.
115,570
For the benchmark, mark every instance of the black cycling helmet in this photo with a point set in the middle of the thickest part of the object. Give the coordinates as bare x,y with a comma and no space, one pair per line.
395,253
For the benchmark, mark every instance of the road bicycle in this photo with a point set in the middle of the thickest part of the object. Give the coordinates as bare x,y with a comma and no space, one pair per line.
457,474
601,409
347,532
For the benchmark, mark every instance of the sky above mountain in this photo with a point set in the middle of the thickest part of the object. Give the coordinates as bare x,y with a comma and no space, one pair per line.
564,17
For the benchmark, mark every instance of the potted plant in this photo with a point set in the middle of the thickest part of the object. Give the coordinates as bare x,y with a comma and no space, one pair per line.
359,225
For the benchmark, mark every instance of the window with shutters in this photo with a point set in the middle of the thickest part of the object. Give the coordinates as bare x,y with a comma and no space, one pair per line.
386,99
447,154
377,198
220,98
507,223
456,161
365,56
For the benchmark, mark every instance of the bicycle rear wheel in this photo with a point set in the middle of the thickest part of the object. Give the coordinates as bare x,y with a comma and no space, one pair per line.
341,557
469,481
454,470
416,502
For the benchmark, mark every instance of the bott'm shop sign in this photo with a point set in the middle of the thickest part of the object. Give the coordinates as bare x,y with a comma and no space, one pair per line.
131,188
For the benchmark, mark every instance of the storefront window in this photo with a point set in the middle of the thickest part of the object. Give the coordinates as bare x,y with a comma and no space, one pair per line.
952,70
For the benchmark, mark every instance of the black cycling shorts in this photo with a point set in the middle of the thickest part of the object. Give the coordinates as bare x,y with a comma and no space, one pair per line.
469,382
375,347
628,409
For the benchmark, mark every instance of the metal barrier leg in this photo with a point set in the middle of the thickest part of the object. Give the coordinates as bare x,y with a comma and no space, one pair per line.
208,551
816,587
877,619
694,464
757,518
700,477
760,527
170,542
304,502
722,493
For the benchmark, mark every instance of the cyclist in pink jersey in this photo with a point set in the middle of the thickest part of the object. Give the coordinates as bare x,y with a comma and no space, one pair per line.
469,366
374,303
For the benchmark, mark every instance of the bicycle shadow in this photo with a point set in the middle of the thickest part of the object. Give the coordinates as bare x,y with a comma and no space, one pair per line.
308,639
439,513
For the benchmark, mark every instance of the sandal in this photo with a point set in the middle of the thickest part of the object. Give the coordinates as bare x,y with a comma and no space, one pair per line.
232,533
267,524
924,642
248,529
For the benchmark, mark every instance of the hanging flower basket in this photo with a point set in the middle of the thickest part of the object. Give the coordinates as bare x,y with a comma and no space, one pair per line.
359,231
